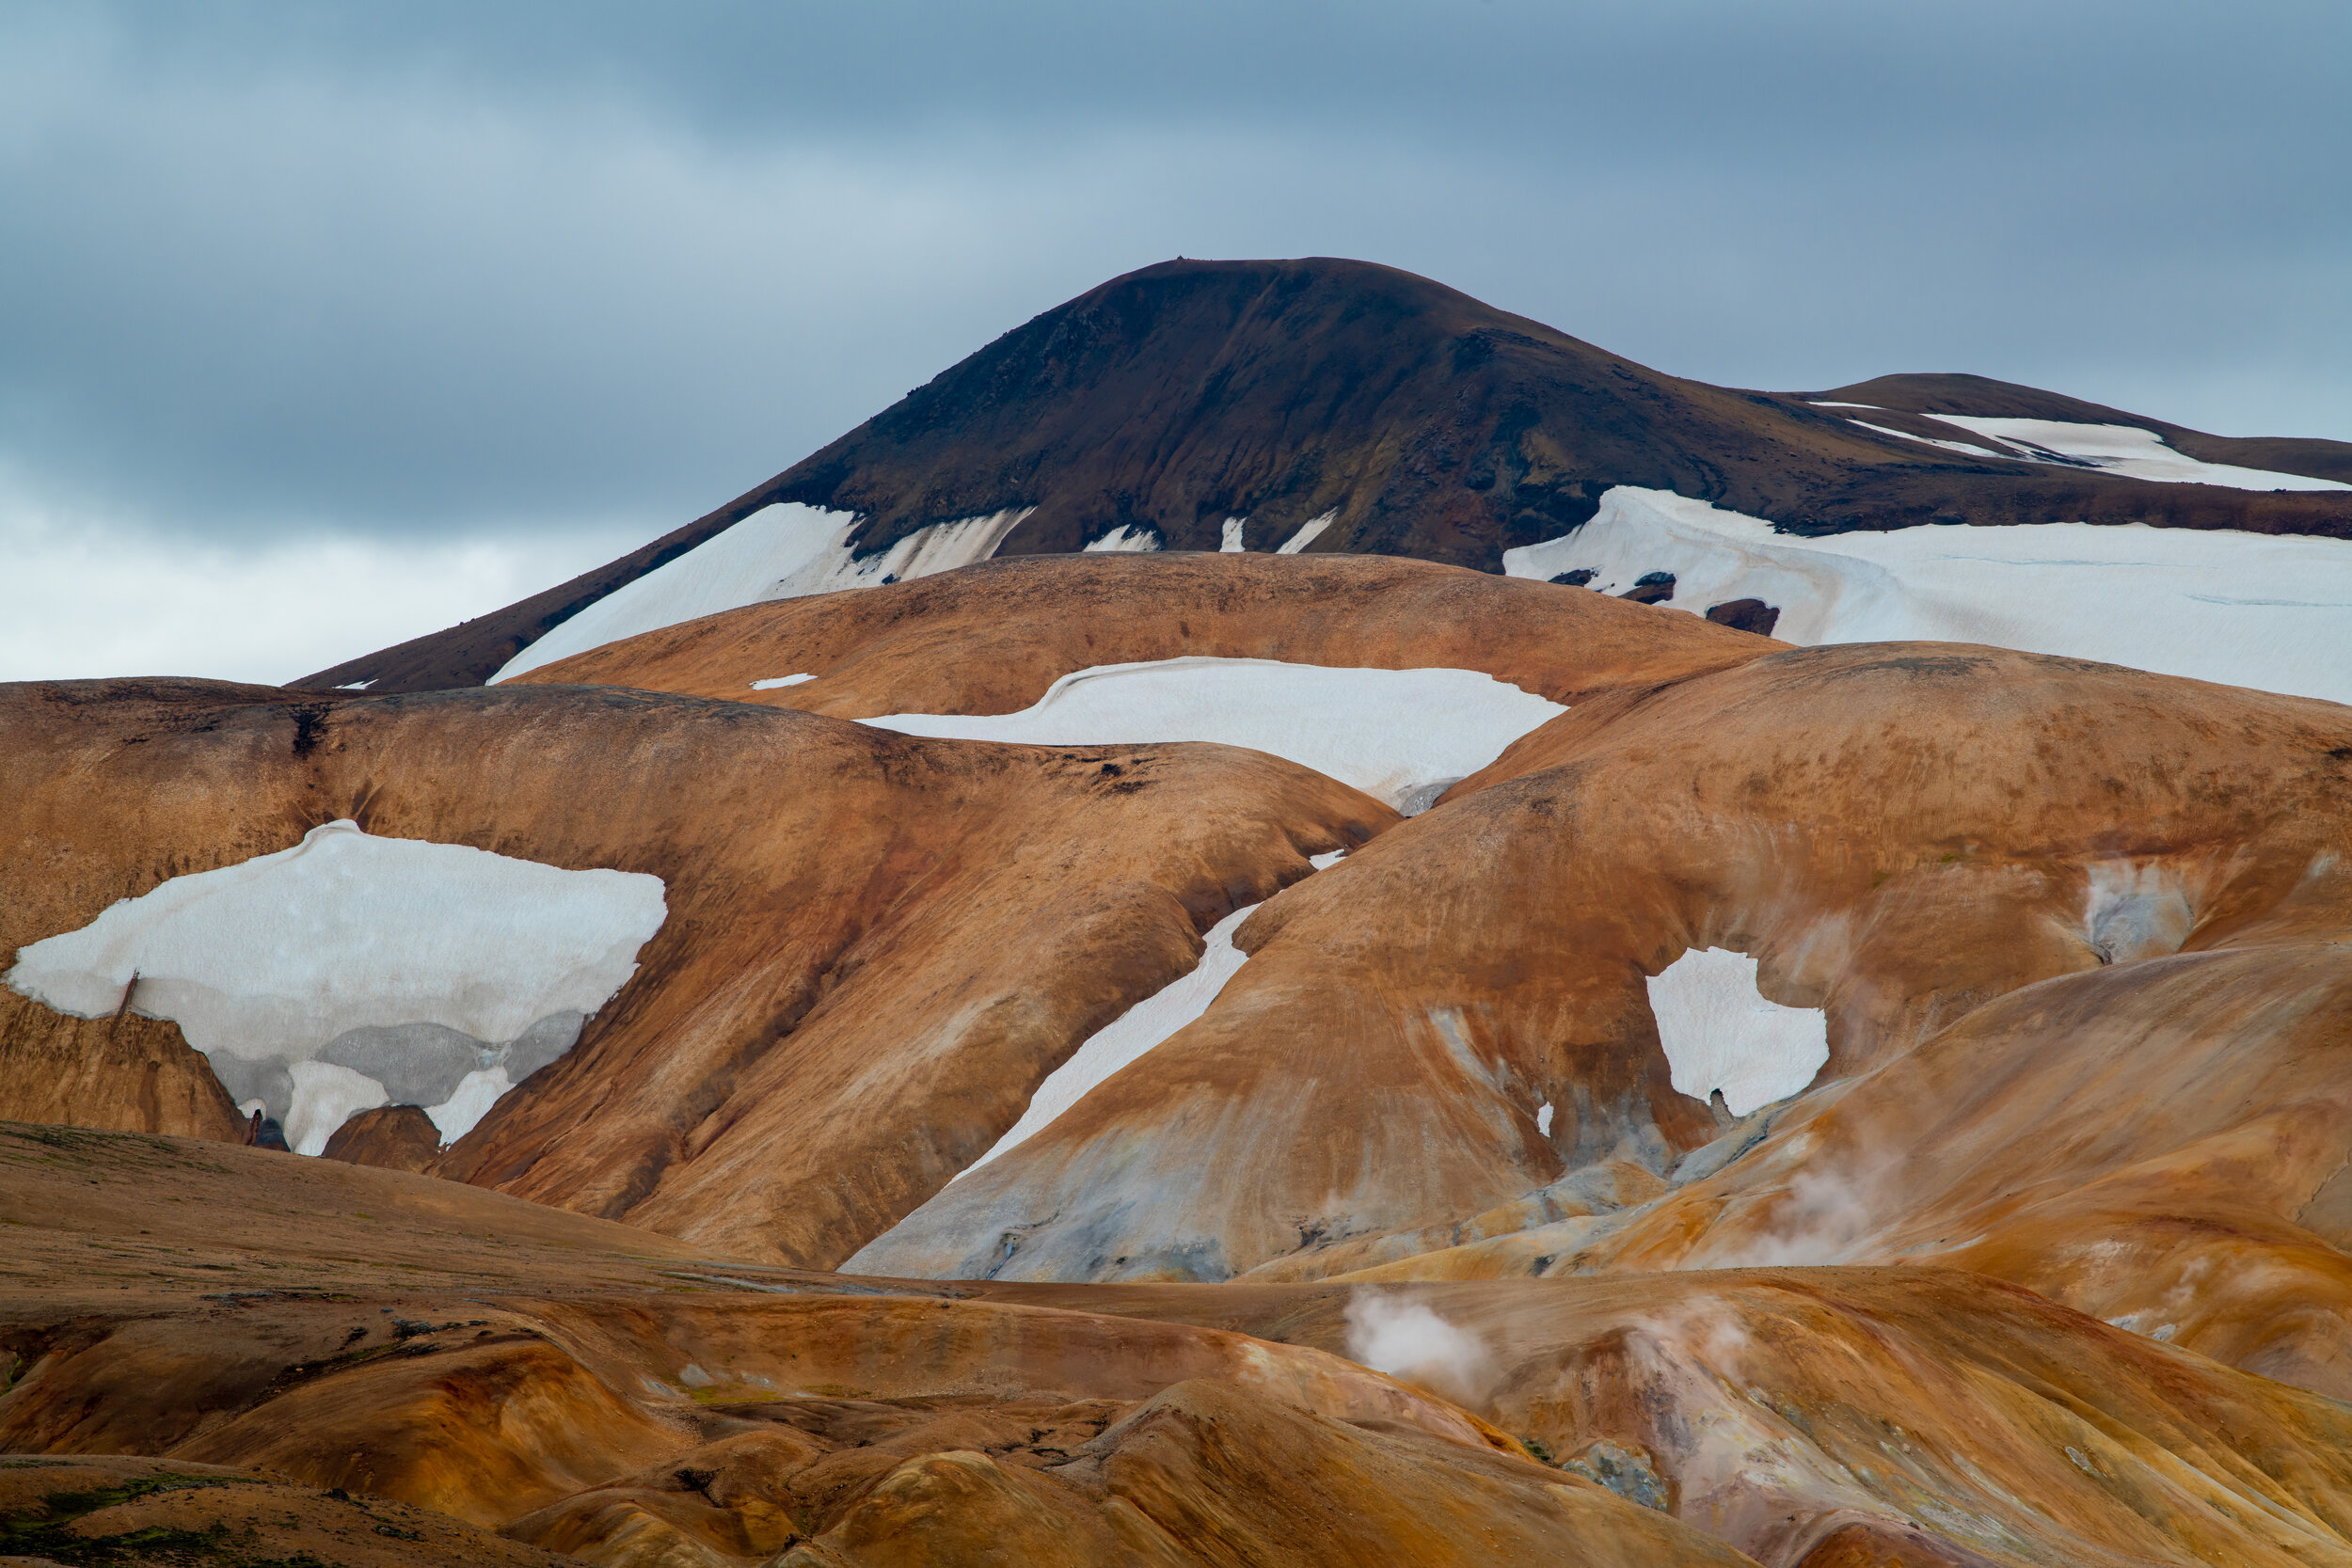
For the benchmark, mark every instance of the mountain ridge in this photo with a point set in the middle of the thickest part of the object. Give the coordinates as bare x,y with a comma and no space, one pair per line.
1189,398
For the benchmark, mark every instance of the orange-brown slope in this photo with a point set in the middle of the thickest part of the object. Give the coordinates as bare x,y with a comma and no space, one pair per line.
875,946
516,1369
991,638
2160,1142
1898,834
1933,1415
529,1376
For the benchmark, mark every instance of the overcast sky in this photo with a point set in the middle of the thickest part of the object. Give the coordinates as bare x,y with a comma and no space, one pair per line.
324,325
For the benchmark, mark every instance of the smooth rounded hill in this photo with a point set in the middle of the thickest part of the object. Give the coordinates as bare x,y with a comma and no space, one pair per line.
993,637
875,947
1466,1009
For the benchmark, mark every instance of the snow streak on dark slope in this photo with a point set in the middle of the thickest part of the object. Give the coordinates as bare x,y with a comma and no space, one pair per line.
1173,400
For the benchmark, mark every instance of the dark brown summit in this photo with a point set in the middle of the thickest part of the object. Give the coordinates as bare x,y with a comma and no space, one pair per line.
1176,398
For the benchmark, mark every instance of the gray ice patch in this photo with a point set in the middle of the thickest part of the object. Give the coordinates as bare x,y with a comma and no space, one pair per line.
267,1081
1422,796
418,1064
542,1043
2136,911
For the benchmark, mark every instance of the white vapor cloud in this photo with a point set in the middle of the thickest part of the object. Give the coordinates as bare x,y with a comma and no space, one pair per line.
1408,1339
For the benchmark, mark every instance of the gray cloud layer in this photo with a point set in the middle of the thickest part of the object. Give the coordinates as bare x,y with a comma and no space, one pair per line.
452,271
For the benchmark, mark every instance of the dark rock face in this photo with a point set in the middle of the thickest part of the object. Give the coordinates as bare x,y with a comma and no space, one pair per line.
1651,588
1580,577
397,1137
1429,424
1746,615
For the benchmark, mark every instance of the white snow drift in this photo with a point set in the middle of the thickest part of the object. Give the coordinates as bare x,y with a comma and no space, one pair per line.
1400,734
779,552
1309,531
2116,449
1124,540
1133,1033
1129,1036
354,971
2125,449
2256,609
1720,1033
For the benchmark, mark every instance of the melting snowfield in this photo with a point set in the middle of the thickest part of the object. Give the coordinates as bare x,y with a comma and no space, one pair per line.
2116,449
1720,1033
1401,736
352,971
779,552
2127,450
2269,611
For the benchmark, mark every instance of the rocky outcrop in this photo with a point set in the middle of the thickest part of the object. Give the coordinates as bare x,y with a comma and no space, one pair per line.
397,1137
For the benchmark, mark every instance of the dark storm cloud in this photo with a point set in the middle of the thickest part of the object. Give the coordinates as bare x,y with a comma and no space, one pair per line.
449,268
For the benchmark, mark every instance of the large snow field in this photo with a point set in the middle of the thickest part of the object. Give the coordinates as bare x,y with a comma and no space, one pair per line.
352,971
1401,736
2264,610
1720,1033
784,551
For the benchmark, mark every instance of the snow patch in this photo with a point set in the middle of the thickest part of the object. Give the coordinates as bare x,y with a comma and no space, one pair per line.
2127,450
1543,1120
779,681
1966,446
782,551
476,1093
1720,1033
2271,611
325,1096
1308,532
1125,539
1399,735
1130,1035
359,686
1232,545
351,971
1133,1033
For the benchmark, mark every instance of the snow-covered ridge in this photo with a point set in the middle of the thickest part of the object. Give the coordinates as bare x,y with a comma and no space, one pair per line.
2266,611
1720,1033
1400,734
2116,449
352,971
784,551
